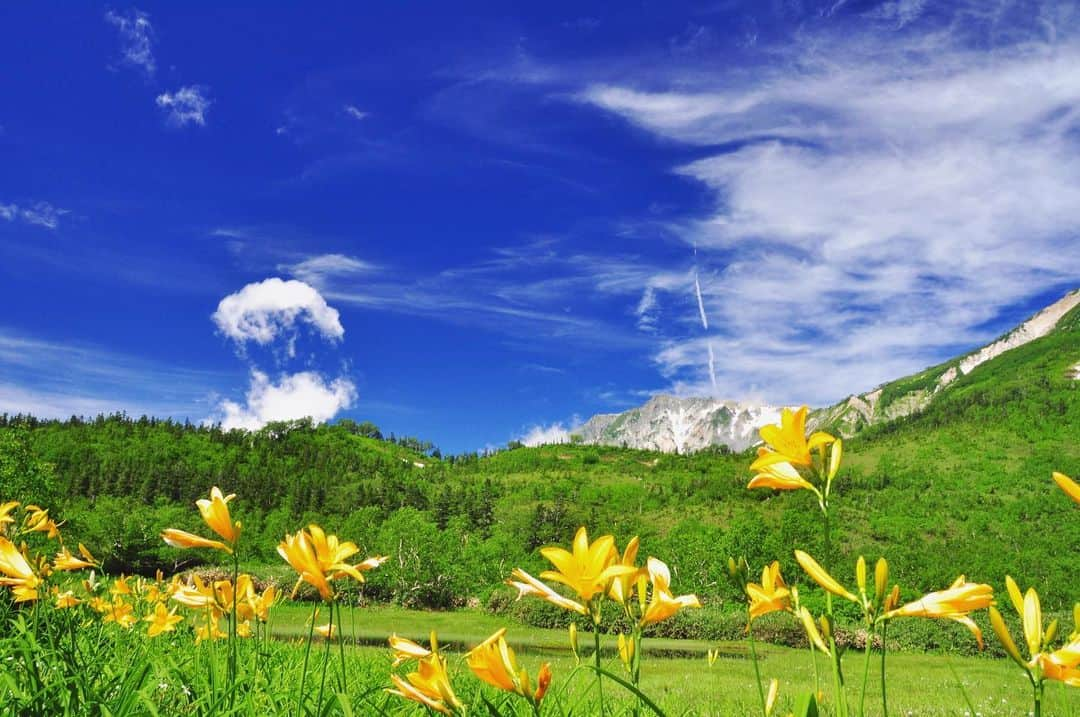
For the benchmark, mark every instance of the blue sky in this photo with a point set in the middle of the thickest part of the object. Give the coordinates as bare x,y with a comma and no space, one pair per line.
477,222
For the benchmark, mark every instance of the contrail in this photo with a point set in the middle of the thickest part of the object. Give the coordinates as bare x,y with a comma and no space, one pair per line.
700,301
704,320
712,367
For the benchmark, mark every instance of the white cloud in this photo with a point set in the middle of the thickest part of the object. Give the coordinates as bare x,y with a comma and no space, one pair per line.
317,269
266,310
188,105
881,201
137,39
558,432
41,214
298,395
355,112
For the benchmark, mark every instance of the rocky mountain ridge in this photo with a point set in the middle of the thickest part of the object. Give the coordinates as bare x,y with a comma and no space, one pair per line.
680,425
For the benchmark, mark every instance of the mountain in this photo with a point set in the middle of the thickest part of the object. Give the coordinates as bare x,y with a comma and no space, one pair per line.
680,425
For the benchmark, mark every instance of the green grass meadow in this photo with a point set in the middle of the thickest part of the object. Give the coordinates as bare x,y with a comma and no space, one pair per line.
686,684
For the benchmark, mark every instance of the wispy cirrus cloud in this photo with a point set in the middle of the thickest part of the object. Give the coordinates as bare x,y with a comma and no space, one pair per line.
870,186
42,214
187,105
136,39
540,289
58,379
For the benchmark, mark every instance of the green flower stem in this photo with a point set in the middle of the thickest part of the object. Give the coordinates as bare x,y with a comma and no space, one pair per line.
866,670
307,654
884,695
341,644
757,669
596,658
326,658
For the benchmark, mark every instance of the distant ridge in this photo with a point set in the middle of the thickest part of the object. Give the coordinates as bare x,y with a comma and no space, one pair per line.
683,425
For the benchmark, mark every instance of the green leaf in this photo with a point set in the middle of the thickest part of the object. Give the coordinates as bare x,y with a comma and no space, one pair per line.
806,705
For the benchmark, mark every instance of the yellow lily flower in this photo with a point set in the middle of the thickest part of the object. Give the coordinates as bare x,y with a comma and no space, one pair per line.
64,560
772,595
1036,638
260,604
199,596
5,514
711,656
120,612
953,603
162,620
589,569
38,521
812,632
1067,484
329,630
623,585
774,692
662,604
120,587
528,585
209,629
16,573
319,558
822,577
788,440
66,599
429,685
184,540
493,661
215,513
626,651
776,474
405,649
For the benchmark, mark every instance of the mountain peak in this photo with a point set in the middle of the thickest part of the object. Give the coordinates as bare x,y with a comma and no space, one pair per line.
677,424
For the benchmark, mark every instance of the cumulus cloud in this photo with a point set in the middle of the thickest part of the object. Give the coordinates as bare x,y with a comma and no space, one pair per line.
188,105
880,200
41,214
553,433
136,37
267,310
298,395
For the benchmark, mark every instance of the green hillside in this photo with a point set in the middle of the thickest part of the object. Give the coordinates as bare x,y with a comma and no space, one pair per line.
962,486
